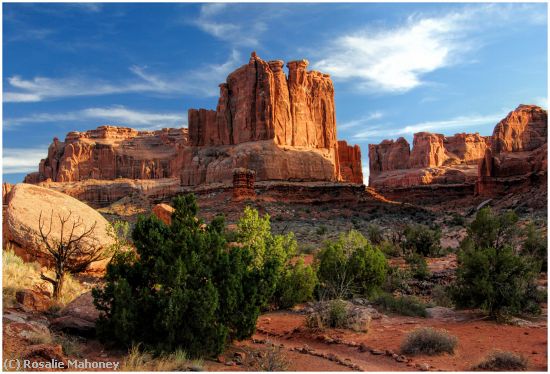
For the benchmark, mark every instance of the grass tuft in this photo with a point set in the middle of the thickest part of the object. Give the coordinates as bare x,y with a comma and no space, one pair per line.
502,361
428,341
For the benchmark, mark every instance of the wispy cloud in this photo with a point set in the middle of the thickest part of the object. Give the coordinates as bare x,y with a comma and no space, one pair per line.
217,20
459,122
117,115
397,59
542,102
202,82
21,160
361,121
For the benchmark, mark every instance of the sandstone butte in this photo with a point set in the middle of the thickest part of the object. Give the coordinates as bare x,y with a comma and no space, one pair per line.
282,127
464,164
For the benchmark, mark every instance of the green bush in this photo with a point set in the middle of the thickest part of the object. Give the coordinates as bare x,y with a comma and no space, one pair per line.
375,234
422,240
536,246
350,266
418,266
397,280
502,361
185,287
403,305
428,341
321,230
441,297
338,314
389,249
491,275
296,285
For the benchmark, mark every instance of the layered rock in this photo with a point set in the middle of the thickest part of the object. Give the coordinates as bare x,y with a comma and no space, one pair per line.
434,159
349,158
281,127
518,156
243,183
110,152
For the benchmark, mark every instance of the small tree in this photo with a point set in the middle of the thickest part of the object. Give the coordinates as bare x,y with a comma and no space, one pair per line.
422,240
74,250
491,274
350,266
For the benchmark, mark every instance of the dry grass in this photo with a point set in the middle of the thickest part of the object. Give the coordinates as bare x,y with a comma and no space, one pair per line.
19,275
138,360
502,361
428,341
272,359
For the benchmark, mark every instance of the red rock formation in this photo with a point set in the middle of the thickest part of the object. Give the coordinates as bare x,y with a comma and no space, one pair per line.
243,184
281,127
164,212
350,162
388,155
110,152
518,155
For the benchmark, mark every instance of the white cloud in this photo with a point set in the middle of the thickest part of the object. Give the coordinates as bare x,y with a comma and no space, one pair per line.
21,160
118,115
542,102
202,81
217,20
458,122
397,59
361,121
366,173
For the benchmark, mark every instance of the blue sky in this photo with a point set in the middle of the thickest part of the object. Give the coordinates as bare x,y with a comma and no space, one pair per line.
397,68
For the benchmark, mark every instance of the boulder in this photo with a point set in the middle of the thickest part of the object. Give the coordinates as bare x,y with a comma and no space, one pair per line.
163,212
32,300
21,221
78,317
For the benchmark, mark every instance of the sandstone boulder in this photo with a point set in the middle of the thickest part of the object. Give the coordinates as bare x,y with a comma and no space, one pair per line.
32,300
163,212
21,221
78,317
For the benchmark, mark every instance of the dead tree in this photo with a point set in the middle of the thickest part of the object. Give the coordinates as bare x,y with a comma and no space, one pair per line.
72,252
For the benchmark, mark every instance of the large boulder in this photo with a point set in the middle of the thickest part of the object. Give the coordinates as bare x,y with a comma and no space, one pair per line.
78,317
27,202
163,212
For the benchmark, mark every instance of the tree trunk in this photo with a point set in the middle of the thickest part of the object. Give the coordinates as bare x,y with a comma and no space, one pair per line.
58,285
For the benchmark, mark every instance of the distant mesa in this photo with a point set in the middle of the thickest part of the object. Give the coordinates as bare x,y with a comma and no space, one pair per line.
282,127
439,168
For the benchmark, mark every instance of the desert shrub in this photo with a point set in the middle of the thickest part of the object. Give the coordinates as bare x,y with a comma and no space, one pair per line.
428,341
40,337
296,284
375,234
138,360
350,266
389,249
271,359
185,287
502,361
489,230
18,275
418,266
422,240
71,345
403,305
321,230
535,245
397,280
339,314
440,296
457,220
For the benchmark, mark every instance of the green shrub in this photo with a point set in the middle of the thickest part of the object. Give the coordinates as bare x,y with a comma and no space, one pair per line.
457,220
496,278
536,246
397,280
403,305
350,266
428,341
389,249
441,297
321,230
375,234
296,284
422,240
337,314
418,266
502,361
185,287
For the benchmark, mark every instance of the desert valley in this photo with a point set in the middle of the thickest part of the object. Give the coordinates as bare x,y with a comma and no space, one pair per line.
439,263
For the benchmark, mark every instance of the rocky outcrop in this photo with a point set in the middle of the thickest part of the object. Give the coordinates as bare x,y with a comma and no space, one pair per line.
27,202
434,159
164,212
349,158
243,183
518,157
110,152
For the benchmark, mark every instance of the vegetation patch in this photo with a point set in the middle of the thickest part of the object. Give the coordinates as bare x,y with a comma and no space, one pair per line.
428,341
339,314
403,305
502,361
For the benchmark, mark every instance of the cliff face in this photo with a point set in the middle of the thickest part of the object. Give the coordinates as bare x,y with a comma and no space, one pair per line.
110,152
282,127
518,155
434,158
